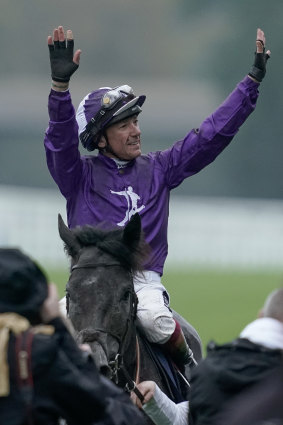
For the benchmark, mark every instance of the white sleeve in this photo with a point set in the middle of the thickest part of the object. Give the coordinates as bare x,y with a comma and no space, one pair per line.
164,411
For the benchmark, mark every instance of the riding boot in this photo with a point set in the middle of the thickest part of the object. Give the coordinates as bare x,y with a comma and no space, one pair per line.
178,349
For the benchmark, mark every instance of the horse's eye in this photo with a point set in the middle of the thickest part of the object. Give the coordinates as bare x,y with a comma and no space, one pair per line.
126,296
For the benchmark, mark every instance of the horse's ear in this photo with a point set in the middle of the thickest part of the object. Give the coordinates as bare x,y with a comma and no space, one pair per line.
68,237
132,231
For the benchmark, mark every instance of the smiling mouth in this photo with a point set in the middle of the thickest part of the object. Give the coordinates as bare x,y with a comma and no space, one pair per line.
137,142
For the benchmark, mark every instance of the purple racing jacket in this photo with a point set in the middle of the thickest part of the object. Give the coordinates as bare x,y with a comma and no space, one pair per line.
98,192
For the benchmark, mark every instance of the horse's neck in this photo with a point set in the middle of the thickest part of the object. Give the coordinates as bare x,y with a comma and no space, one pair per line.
138,361
148,371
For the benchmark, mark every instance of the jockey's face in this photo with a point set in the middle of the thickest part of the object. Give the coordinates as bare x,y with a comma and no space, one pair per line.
123,139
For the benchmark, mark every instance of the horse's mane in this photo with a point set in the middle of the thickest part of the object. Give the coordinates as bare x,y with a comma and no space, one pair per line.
111,242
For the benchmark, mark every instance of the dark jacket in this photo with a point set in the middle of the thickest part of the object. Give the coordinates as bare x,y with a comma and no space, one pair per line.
260,405
66,384
227,371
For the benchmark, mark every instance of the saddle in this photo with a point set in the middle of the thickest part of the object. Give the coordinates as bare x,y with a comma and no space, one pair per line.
177,384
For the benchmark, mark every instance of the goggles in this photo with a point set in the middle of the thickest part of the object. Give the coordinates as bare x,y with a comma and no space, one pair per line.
112,97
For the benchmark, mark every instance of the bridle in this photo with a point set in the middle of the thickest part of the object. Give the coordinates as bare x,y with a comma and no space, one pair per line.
117,365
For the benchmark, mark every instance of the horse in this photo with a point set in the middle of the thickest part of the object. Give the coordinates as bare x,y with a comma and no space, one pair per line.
101,302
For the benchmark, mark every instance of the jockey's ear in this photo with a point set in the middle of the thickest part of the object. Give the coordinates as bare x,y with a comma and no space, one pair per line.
132,231
102,142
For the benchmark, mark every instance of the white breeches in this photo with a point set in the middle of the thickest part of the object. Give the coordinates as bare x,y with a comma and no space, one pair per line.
154,317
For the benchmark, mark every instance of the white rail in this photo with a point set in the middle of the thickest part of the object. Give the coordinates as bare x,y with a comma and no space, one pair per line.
203,232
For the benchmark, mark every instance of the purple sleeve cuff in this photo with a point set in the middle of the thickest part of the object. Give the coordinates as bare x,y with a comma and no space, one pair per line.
60,106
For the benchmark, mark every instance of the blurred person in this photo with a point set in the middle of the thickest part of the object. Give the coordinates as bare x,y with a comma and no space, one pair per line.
44,376
240,383
110,187
261,405
230,370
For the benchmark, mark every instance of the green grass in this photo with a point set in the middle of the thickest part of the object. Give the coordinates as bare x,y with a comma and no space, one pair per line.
217,303
60,277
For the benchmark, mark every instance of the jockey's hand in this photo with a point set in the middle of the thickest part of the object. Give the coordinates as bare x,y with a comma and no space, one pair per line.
85,348
147,388
258,69
63,61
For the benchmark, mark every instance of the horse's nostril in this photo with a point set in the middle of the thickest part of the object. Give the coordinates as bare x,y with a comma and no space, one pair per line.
105,371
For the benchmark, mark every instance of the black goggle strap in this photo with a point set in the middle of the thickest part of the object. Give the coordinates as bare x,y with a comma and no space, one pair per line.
97,122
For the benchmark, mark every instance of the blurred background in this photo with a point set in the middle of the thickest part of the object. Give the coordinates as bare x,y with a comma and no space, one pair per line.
186,56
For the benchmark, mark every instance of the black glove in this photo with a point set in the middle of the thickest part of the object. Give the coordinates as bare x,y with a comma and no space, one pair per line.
61,60
258,69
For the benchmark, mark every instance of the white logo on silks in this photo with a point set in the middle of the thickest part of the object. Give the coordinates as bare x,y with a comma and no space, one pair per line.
132,203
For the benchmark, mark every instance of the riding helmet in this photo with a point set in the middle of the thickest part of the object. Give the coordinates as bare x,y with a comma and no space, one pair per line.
102,108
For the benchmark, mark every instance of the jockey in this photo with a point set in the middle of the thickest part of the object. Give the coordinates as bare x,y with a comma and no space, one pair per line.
110,187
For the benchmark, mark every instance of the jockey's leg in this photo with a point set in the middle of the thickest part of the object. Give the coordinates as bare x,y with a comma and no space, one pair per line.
177,347
155,318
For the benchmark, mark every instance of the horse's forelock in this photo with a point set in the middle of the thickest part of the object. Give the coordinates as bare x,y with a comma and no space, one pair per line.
93,236
111,242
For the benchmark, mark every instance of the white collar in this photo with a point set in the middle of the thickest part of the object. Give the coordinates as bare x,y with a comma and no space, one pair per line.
265,331
120,162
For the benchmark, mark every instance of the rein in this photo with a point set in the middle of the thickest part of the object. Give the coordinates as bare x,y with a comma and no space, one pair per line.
117,364
131,385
